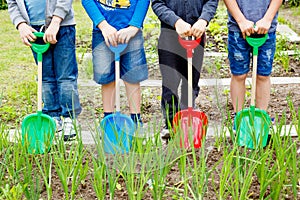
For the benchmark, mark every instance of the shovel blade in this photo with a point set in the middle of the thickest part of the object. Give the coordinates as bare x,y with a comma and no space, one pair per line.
192,125
252,128
118,131
38,132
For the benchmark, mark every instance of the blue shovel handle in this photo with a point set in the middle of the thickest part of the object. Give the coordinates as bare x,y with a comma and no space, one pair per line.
118,50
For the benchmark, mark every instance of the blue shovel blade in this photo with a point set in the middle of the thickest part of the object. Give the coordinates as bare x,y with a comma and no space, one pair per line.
117,134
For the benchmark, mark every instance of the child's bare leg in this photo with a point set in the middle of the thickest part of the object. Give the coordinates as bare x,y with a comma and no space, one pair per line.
237,91
133,92
263,86
108,97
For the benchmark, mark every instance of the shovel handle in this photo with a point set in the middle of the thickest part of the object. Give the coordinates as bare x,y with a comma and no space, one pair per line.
255,40
254,72
117,51
189,44
39,49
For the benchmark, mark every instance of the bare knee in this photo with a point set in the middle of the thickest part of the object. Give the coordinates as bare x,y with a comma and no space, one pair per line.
239,78
263,78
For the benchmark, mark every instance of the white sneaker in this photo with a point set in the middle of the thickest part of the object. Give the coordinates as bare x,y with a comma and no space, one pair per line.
69,128
58,123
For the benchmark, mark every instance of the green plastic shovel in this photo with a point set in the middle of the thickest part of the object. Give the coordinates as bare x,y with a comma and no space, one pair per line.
253,124
38,129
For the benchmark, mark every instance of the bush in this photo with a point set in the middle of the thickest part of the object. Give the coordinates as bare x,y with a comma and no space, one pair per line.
3,4
291,3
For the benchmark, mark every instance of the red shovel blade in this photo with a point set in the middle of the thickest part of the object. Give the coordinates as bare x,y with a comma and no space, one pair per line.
190,121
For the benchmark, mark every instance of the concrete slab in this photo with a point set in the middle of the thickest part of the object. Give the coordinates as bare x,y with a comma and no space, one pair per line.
214,130
286,31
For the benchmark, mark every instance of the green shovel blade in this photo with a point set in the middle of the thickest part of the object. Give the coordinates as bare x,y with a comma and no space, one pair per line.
38,132
252,127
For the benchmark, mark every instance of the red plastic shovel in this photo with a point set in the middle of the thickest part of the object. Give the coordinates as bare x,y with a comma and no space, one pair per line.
190,121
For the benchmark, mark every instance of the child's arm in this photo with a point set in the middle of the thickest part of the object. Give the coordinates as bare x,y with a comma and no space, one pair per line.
109,32
164,13
26,33
168,16
52,30
183,28
136,22
62,8
93,11
263,25
245,25
139,14
208,12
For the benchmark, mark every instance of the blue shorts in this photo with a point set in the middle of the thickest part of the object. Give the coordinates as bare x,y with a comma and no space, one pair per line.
133,65
239,54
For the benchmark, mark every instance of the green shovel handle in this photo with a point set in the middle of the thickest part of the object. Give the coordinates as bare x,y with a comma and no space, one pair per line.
39,48
256,41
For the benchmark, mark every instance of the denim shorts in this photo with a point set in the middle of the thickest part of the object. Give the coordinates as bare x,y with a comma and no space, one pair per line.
239,54
133,65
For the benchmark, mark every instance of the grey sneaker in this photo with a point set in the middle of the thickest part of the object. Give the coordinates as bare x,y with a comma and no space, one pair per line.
69,128
58,124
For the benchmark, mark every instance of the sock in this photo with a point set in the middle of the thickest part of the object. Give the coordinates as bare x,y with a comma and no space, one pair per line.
107,113
136,117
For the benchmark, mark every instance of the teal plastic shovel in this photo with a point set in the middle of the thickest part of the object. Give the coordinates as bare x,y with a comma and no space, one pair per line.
253,124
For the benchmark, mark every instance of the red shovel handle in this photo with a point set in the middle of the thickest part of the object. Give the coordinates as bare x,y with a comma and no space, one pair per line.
189,45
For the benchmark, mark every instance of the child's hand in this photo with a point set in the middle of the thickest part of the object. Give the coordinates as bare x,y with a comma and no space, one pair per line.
125,34
109,33
52,30
182,28
26,33
262,26
247,27
199,28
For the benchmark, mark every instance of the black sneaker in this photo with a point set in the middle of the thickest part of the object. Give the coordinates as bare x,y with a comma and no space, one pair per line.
165,133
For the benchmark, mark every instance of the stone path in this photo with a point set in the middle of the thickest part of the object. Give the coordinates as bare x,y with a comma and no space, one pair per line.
286,31
214,130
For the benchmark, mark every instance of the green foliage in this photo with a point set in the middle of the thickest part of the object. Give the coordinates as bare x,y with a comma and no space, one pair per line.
280,57
292,3
3,4
217,28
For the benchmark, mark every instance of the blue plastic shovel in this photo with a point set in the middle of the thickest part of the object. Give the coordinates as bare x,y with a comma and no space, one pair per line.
118,128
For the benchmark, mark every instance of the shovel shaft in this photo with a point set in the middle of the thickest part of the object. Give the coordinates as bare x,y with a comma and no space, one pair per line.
190,82
117,79
254,72
39,94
